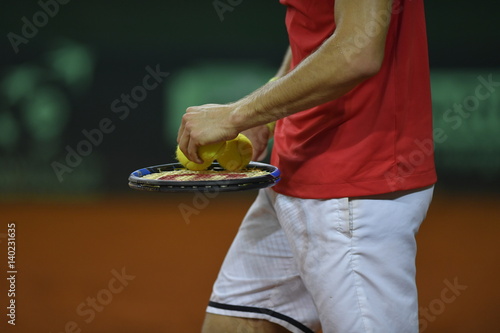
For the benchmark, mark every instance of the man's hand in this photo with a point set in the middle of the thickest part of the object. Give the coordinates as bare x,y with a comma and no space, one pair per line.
259,136
202,125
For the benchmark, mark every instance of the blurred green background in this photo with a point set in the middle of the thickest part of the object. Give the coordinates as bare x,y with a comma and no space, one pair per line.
76,116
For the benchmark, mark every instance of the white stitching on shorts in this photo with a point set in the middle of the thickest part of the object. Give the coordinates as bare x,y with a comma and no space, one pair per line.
357,285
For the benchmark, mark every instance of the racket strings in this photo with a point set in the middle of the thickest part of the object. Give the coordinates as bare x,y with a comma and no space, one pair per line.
206,175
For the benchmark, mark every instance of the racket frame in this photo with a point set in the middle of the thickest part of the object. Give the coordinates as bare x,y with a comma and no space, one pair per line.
137,182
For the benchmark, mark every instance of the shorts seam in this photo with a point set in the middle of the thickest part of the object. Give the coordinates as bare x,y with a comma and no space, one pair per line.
357,287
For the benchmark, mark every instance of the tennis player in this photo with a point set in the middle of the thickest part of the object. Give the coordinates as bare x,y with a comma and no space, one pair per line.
332,245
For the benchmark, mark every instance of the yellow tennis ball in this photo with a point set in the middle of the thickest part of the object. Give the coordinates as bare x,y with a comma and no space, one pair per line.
207,153
237,153
211,151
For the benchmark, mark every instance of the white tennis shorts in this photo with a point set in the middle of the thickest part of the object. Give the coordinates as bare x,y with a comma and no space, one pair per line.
343,265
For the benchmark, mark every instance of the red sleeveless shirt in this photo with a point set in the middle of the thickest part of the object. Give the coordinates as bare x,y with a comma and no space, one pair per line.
378,137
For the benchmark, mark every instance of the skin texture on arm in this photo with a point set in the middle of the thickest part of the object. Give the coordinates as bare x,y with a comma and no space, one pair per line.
327,74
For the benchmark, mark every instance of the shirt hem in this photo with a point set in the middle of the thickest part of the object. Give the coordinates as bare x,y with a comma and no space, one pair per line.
357,189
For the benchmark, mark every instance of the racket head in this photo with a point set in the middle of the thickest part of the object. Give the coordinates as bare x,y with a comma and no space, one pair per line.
166,178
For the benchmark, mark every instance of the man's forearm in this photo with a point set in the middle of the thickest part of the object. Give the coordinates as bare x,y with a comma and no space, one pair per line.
325,75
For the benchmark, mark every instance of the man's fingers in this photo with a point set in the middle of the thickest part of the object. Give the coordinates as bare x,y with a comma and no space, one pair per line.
182,128
259,136
192,151
179,133
183,140
189,148
259,156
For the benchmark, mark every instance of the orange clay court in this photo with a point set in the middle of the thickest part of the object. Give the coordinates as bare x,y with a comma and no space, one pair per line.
135,263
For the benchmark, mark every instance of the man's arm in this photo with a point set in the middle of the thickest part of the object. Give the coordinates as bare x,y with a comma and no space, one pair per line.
334,69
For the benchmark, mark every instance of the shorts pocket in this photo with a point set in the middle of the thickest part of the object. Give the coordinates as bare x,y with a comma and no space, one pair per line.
344,221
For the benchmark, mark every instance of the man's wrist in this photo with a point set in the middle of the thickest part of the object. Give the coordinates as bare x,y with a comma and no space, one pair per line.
238,118
245,114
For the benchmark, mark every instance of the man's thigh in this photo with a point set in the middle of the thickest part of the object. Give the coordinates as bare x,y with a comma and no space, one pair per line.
225,324
357,258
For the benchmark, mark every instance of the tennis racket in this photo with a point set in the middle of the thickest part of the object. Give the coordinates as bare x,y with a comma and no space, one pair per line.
174,177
